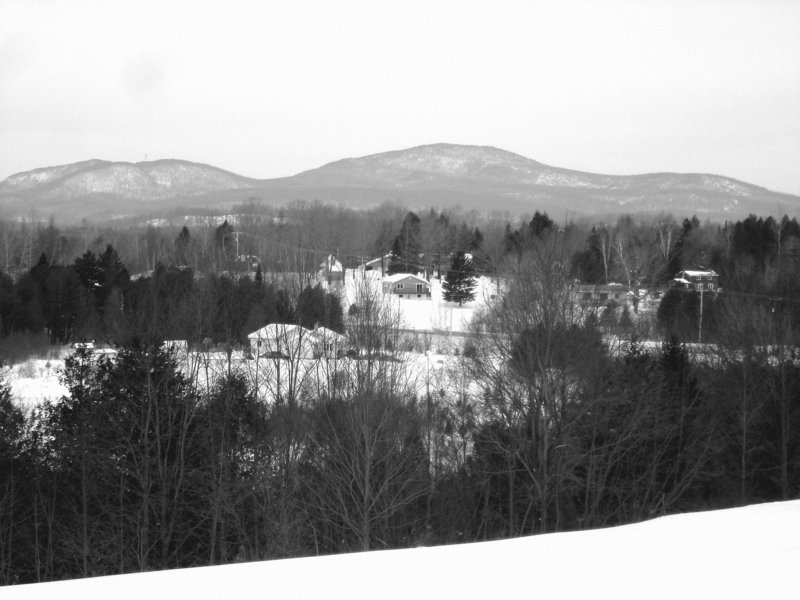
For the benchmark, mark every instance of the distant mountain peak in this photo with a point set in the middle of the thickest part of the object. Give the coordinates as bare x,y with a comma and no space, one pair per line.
442,159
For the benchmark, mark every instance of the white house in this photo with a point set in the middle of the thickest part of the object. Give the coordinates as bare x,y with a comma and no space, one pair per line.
331,270
282,339
294,341
697,280
327,342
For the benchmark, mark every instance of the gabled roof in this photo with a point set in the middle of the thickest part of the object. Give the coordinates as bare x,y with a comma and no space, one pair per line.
401,276
275,330
691,273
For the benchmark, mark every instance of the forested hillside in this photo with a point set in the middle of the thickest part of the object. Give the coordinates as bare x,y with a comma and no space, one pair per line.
549,419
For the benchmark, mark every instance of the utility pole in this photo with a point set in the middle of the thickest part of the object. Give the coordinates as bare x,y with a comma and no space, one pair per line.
700,325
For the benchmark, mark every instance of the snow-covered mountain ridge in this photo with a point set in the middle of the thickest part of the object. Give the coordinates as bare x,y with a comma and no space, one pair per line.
440,175
141,181
494,164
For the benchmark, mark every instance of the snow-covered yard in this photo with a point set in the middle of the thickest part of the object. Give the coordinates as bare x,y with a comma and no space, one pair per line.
750,552
424,314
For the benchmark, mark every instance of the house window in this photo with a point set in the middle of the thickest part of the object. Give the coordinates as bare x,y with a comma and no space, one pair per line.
419,288
398,286
710,287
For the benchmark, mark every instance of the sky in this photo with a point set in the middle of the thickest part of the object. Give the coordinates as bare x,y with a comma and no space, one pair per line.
268,89
741,553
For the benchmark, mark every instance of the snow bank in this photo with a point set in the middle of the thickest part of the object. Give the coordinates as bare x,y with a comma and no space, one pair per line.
749,552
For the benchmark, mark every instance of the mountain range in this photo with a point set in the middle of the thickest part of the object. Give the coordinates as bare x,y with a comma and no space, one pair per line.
437,175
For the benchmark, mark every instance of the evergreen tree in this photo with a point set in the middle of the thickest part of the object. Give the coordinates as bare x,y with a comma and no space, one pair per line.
460,283
221,233
315,307
334,316
182,247
588,264
540,224
311,307
406,247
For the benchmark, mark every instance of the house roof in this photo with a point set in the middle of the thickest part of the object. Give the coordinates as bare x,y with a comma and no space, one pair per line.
377,260
401,276
690,273
274,330
600,287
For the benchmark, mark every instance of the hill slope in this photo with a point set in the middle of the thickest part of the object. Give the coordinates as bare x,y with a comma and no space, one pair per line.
442,175
749,552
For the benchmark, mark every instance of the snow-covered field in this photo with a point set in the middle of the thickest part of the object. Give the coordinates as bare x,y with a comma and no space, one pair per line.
750,552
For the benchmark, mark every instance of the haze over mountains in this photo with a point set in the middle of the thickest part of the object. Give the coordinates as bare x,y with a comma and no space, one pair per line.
439,175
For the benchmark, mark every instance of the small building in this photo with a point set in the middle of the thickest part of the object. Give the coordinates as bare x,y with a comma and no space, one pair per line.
331,270
600,295
406,285
702,281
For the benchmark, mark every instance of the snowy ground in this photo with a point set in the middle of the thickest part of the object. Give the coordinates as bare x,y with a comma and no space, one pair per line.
37,380
750,552
34,381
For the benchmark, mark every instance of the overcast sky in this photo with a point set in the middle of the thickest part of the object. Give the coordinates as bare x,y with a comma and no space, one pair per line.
268,89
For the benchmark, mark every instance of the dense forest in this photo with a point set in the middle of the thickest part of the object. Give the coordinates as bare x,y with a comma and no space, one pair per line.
544,423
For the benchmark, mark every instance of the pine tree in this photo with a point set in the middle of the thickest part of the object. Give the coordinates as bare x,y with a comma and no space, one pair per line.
625,321
406,247
459,286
